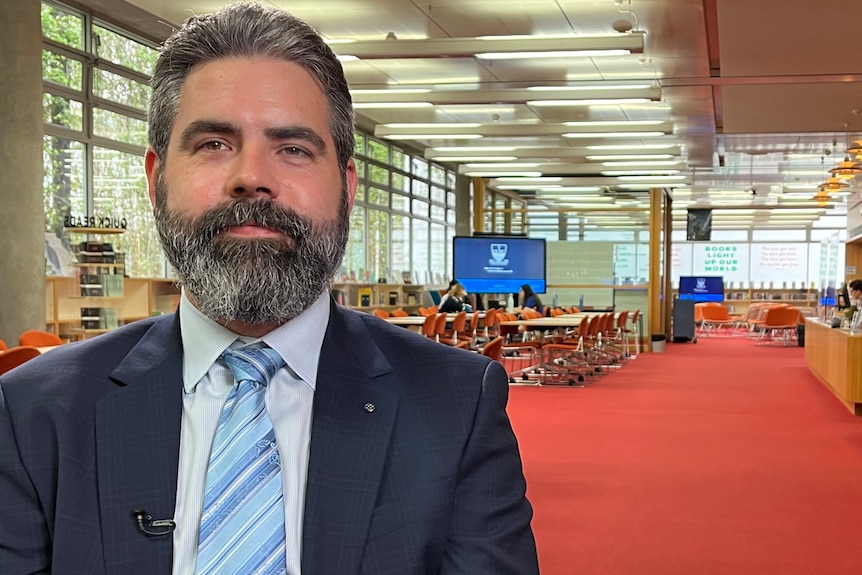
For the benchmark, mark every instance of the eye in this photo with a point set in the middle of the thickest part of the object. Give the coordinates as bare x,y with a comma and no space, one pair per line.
213,145
295,151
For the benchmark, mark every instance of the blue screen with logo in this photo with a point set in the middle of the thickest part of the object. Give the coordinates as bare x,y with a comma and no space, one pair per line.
499,264
701,288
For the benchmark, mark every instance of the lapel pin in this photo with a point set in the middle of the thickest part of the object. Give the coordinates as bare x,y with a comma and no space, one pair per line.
369,408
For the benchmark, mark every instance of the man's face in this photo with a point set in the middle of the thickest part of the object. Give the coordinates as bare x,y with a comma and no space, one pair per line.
250,202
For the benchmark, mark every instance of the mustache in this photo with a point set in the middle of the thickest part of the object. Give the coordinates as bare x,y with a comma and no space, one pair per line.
263,213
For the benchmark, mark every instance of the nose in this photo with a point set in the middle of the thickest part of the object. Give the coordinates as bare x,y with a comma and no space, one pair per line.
251,173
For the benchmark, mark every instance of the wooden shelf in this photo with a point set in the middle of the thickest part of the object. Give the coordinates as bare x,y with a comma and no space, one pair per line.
142,297
94,231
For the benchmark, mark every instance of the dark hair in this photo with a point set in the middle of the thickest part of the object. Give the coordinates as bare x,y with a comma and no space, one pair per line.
855,285
246,30
528,292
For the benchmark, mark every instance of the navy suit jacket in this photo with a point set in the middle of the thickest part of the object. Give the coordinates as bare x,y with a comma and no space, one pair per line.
428,481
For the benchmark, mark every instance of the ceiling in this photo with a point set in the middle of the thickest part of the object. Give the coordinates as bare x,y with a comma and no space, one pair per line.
755,101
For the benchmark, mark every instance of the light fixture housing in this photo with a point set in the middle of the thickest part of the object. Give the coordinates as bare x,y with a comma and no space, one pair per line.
495,47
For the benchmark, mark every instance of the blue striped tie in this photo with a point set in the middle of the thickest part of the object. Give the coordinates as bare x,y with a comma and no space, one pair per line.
242,525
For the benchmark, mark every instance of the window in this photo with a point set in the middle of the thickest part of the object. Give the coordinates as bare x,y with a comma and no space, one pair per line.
97,172
96,136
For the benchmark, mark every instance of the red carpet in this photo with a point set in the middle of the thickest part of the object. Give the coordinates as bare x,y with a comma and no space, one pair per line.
712,458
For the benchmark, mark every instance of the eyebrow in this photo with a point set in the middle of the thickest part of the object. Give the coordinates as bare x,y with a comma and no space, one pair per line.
198,127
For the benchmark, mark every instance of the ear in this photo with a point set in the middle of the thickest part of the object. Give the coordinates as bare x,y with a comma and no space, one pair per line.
151,165
350,179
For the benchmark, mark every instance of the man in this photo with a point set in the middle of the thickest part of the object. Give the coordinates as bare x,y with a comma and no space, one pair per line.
393,453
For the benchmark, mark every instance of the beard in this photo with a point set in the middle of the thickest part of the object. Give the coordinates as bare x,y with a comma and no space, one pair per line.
252,280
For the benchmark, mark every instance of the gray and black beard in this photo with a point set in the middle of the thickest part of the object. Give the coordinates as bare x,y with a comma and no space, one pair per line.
252,280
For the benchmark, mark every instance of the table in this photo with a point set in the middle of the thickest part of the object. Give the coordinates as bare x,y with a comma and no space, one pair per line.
546,324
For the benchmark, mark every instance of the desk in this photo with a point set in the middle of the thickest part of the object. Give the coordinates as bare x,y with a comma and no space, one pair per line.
834,356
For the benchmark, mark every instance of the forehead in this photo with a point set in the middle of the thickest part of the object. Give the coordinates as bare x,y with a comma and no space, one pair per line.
252,87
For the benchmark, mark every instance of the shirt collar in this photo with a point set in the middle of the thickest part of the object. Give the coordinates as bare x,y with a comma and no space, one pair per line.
298,341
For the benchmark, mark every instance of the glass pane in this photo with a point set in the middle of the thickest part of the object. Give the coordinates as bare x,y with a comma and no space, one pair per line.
420,208
400,160
420,189
450,217
420,249
378,196
63,26
438,175
358,143
378,244
120,191
360,169
438,195
400,203
119,127
400,182
360,192
439,251
420,168
378,151
61,70
450,199
354,256
62,182
62,112
120,89
378,174
119,49
400,244
450,180
438,213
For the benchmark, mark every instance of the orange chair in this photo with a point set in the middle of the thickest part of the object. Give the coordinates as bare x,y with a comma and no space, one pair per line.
716,317
381,313
429,326
15,356
39,338
2,345
780,325
399,313
494,349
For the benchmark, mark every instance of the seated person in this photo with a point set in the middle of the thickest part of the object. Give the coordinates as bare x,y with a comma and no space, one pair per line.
455,300
528,298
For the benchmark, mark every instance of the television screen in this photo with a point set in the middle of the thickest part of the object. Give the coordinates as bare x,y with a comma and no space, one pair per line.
499,264
701,288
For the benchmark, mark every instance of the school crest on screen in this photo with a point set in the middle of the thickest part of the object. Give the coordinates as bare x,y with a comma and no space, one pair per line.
498,254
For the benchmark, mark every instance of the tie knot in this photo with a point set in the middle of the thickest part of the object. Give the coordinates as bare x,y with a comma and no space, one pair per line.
257,364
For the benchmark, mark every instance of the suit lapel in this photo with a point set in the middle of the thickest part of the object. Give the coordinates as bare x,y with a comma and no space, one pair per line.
137,435
351,427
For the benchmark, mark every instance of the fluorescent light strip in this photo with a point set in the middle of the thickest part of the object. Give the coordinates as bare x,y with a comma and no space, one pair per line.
609,147
614,135
432,137
553,54
642,174
473,158
509,166
588,88
384,105
392,91
498,174
645,163
441,125
615,123
460,149
630,157
596,102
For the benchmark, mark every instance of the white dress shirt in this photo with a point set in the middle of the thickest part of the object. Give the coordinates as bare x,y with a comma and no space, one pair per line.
289,400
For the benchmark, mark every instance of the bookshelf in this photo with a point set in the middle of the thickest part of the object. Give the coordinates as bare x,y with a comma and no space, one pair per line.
371,296
142,297
740,298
